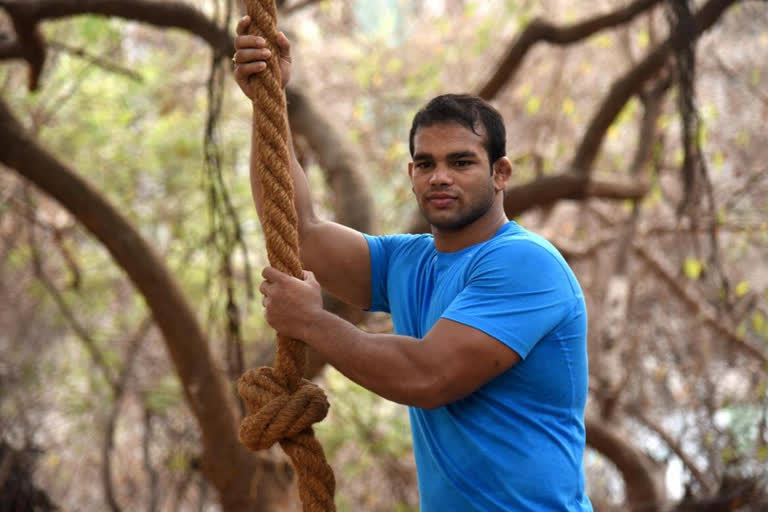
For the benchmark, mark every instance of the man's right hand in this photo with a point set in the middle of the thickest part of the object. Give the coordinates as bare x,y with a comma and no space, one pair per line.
252,54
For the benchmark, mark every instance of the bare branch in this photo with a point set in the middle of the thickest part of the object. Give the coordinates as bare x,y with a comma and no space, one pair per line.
100,62
625,87
697,305
298,6
674,446
636,467
109,430
30,45
80,331
540,30
10,49
160,14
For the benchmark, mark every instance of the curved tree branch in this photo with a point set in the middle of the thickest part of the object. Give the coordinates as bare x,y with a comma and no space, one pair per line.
636,468
160,14
704,480
30,45
540,30
632,82
575,183
224,457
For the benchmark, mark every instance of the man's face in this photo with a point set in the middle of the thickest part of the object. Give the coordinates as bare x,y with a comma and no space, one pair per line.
450,175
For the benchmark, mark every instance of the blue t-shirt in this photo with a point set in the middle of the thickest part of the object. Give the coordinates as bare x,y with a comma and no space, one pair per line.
516,443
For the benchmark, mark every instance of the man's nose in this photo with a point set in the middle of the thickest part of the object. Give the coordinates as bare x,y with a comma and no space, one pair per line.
441,176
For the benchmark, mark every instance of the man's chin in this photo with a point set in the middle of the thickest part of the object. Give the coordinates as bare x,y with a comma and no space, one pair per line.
445,223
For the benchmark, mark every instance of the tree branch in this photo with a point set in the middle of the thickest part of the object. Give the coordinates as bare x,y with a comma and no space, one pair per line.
540,30
80,331
109,431
184,339
160,14
625,87
549,189
297,6
697,305
30,45
98,61
706,483
636,468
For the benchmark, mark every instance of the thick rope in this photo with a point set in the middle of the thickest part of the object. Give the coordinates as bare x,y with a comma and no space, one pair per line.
282,406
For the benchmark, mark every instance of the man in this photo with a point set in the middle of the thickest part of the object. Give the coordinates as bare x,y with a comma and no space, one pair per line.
489,349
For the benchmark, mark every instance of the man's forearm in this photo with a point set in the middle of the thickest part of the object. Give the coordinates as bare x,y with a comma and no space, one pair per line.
392,366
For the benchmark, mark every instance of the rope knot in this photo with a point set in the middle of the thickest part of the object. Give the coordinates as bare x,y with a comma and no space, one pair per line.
276,414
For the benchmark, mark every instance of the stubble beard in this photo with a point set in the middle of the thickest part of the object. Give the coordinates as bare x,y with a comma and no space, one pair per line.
462,219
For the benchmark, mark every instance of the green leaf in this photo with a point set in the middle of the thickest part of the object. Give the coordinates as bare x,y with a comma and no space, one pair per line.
533,105
758,322
728,454
569,107
762,453
742,289
693,268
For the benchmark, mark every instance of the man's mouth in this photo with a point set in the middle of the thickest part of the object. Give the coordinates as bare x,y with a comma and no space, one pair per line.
441,200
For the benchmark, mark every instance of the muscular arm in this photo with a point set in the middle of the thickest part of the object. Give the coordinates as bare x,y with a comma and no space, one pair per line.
336,254
450,362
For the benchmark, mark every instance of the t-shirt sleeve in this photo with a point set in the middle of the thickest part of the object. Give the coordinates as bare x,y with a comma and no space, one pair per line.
516,293
382,249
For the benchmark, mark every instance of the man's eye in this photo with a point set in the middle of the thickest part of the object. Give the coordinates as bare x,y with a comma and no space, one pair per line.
463,163
423,165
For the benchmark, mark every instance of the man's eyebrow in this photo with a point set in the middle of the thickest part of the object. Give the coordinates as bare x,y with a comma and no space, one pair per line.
461,154
423,156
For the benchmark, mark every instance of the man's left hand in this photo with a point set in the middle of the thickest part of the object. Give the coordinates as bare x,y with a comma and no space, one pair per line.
290,303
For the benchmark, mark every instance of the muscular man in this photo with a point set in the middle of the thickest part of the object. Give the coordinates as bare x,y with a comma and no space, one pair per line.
489,343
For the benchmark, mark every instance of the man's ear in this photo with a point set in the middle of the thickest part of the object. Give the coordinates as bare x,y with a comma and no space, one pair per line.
502,172
410,170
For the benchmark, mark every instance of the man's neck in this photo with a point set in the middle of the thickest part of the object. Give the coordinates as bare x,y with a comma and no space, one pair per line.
479,231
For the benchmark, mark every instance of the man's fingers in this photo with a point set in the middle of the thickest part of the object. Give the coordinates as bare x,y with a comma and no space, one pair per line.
273,275
242,25
248,41
247,55
309,277
243,71
284,45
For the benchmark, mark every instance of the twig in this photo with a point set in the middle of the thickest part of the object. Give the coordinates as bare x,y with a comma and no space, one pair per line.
147,461
80,331
698,306
628,85
298,6
119,392
98,61
674,446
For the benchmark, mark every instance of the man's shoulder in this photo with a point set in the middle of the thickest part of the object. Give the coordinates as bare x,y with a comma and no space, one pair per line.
524,256
399,245
516,241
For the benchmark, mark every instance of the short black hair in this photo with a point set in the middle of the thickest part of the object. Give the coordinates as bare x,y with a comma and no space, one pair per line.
469,111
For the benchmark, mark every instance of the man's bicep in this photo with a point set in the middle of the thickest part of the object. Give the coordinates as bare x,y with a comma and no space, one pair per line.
467,358
340,259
